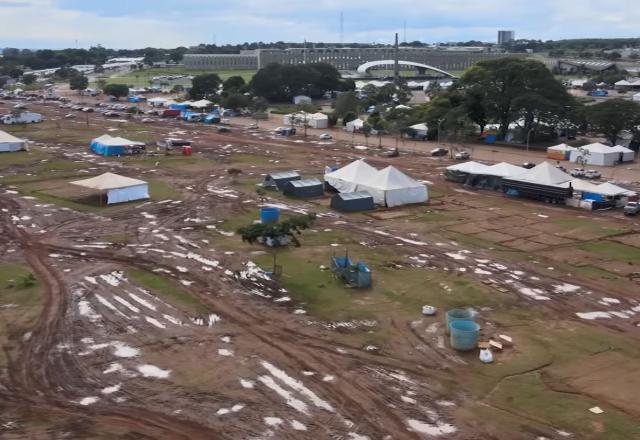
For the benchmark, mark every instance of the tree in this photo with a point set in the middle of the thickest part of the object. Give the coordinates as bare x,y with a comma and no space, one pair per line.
101,83
346,103
236,101
204,86
613,116
262,232
305,109
29,78
348,117
233,83
178,88
78,82
512,89
117,90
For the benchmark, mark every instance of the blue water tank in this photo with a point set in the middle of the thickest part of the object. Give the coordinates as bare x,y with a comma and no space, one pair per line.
457,315
269,215
490,139
464,335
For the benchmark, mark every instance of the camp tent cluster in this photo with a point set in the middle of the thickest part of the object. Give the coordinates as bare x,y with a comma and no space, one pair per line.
389,187
118,189
11,143
107,145
542,182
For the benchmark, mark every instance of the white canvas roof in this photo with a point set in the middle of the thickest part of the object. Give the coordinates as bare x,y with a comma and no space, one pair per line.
201,104
562,147
609,189
319,116
105,139
420,127
6,137
620,149
545,174
584,186
470,167
504,169
108,181
392,187
597,147
356,123
347,178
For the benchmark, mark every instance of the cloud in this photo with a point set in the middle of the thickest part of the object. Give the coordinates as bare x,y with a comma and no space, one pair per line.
168,23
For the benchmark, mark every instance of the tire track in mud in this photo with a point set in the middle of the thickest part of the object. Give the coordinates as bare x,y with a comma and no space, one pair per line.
33,382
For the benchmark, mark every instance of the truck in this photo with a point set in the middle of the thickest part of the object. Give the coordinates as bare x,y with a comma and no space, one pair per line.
22,118
170,113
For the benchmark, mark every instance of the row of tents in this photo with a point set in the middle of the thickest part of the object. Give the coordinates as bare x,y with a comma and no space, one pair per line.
592,154
542,182
359,186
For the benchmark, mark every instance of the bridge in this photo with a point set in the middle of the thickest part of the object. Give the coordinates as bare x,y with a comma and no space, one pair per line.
363,69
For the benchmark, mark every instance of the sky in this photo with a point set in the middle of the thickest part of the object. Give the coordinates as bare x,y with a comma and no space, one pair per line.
171,23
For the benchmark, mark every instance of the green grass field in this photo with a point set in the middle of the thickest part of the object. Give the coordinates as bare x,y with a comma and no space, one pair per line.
141,78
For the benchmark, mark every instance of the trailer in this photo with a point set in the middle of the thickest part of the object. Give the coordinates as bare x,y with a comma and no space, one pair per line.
22,118
170,113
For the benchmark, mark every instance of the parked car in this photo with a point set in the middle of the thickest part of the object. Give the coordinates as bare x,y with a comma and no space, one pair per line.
20,106
592,174
111,114
87,110
437,152
325,136
632,208
577,172
528,165
70,116
252,127
462,155
147,120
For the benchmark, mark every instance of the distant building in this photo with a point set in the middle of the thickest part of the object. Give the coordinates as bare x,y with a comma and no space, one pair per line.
506,37
577,66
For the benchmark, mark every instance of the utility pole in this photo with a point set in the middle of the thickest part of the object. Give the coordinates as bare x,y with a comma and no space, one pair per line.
396,65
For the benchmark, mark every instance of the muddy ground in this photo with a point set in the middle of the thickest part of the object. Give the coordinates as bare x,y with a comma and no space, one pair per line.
156,321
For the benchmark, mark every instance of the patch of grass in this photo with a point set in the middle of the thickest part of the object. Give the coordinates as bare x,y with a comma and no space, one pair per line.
141,78
611,250
160,190
476,242
433,217
249,159
589,226
527,395
8,159
20,305
167,289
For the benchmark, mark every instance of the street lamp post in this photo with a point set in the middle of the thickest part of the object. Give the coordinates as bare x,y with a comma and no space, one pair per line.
528,137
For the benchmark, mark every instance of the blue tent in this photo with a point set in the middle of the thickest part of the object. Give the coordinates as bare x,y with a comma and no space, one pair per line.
115,146
176,106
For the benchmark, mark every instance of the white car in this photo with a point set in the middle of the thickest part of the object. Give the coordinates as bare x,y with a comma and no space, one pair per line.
592,174
325,136
70,116
577,172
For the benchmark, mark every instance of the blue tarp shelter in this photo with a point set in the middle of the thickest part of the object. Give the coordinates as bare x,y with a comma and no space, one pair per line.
352,202
357,275
106,145
277,181
304,188
118,189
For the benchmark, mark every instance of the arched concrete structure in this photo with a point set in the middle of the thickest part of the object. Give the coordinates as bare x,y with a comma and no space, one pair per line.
363,68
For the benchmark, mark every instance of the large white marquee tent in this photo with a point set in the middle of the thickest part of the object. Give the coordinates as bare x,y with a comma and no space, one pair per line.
118,188
603,155
11,143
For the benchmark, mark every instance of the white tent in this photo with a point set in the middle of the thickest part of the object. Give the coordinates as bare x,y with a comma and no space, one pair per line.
560,152
318,120
118,188
471,167
421,129
600,154
609,189
636,97
354,125
11,143
544,174
584,186
628,155
503,169
346,179
391,187
203,103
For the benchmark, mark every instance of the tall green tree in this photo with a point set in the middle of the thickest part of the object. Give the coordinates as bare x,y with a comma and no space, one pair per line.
116,90
346,103
613,116
233,83
29,78
513,89
78,82
204,86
